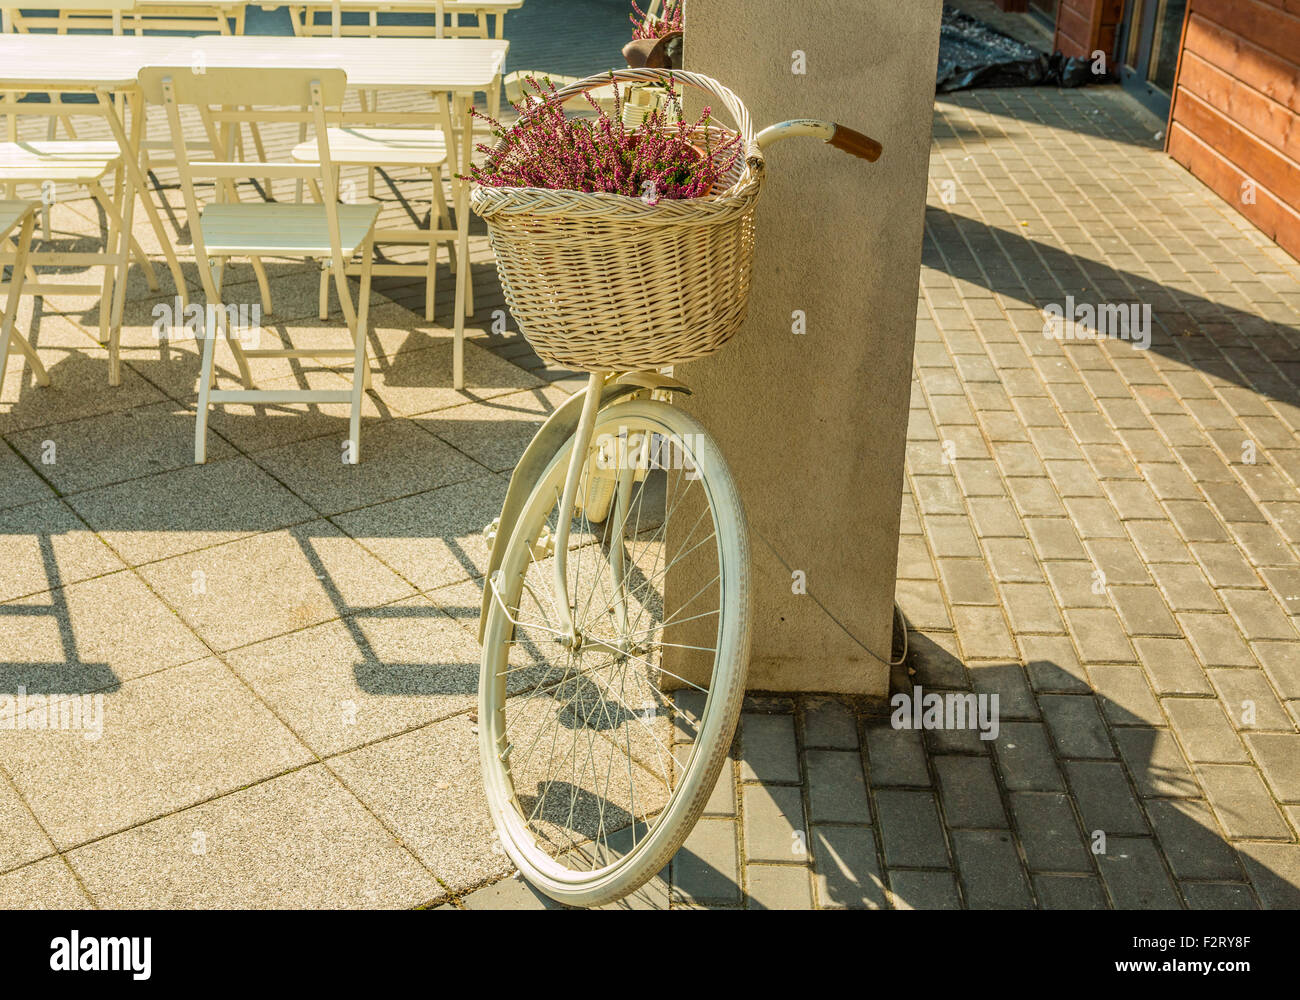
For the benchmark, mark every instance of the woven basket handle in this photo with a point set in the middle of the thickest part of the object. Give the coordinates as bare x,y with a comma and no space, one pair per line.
735,107
733,104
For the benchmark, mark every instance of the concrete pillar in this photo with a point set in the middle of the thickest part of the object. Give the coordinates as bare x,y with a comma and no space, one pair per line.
814,424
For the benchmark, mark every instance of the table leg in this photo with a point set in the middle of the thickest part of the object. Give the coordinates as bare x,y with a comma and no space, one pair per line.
112,304
133,104
461,192
11,134
130,146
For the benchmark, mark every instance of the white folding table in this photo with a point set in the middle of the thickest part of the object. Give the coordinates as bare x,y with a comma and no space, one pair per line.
455,67
489,15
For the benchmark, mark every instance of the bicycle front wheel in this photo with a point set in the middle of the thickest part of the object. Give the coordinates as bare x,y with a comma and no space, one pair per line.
599,755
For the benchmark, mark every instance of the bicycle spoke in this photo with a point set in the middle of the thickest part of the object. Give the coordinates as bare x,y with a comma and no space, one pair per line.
592,745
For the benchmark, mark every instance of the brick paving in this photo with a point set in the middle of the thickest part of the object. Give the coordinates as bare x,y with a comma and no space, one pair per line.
1104,535
1083,535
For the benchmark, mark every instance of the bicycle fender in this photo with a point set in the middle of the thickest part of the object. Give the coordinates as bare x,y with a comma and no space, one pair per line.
651,380
543,448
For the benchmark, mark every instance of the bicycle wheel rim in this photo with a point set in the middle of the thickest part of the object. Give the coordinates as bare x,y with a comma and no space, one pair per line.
606,872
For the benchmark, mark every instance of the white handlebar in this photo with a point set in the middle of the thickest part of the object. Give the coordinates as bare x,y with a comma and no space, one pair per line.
799,126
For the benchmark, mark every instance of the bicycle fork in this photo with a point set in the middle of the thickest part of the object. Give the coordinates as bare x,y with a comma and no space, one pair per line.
615,520
569,637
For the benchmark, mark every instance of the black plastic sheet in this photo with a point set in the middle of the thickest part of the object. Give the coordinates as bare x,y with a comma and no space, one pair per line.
974,54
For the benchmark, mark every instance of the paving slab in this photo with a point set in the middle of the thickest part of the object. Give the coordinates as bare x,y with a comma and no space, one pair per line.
189,508
426,787
399,459
433,539
778,887
846,871
300,841
91,636
774,826
25,841
1242,802
393,669
770,752
837,788
910,826
990,870
923,890
116,447
1274,871
1069,892
44,545
301,576
45,885
706,870
156,745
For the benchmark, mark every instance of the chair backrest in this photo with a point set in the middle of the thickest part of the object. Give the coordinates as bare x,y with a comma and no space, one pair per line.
89,6
119,16
158,15
446,15
225,99
19,17
449,24
260,86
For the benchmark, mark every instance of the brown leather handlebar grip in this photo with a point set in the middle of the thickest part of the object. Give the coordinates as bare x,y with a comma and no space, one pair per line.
856,144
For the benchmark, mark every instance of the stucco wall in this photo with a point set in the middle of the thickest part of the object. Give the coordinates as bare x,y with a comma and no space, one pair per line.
814,425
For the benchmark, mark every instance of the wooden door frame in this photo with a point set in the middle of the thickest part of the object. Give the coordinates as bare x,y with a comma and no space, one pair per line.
1133,79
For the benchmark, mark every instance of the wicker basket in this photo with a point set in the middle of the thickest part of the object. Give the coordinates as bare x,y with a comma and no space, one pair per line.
601,282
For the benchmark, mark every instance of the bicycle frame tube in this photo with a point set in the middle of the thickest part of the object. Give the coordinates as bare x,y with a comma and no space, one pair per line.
559,427
577,464
619,512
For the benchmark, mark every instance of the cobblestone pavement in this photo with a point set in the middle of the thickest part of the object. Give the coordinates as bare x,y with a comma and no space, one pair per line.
1105,536
288,661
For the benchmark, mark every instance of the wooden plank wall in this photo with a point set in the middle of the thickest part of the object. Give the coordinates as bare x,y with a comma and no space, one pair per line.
1235,120
1084,26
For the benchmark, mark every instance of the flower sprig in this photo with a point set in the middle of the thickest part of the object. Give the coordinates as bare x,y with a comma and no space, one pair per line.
672,19
664,158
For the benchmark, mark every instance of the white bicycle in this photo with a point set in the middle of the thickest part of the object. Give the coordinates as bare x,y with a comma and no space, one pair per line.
615,624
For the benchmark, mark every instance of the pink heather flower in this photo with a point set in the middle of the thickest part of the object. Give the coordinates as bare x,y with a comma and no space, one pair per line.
672,19
660,159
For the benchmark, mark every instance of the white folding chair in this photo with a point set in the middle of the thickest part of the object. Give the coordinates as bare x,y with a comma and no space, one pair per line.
169,15
17,220
489,18
489,22
372,147
422,149
136,16
63,16
60,15
224,227
46,164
